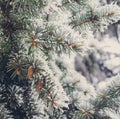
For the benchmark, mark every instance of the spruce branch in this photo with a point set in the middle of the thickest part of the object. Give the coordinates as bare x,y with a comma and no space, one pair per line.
96,16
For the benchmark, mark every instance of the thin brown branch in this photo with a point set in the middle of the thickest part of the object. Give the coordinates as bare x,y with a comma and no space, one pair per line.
108,15
81,23
67,2
89,20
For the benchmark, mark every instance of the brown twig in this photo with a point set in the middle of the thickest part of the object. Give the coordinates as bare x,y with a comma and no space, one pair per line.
81,23
89,20
65,3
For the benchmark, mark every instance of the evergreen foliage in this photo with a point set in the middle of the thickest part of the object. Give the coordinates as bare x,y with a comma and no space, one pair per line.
37,79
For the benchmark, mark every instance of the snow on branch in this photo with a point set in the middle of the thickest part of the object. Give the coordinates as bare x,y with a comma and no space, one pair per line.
99,17
108,14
